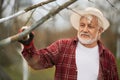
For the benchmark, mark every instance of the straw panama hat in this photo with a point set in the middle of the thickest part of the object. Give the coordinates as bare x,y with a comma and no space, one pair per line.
75,17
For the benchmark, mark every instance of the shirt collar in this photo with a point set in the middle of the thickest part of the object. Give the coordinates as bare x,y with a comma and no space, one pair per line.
100,45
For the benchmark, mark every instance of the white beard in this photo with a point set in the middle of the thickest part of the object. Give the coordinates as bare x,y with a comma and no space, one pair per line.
89,41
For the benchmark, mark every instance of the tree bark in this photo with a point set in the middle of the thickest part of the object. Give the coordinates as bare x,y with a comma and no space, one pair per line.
39,22
25,10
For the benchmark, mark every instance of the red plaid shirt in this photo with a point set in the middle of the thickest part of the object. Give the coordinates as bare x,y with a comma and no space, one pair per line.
62,54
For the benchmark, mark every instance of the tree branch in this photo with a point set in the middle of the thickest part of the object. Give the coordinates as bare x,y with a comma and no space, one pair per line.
35,25
29,17
25,10
111,4
91,1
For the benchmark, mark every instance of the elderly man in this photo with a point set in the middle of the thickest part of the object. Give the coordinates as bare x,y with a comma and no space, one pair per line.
81,58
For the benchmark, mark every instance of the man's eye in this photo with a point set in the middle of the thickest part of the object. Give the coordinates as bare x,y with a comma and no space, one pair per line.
90,26
82,25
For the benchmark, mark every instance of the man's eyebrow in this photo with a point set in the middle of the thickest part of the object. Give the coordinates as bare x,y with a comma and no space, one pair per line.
81,22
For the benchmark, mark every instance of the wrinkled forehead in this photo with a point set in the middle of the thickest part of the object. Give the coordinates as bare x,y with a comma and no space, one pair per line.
89,18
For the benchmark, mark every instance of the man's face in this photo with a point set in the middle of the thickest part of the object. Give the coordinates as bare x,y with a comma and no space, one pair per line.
89,30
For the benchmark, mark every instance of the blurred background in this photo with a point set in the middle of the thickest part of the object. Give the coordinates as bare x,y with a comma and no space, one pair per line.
12,64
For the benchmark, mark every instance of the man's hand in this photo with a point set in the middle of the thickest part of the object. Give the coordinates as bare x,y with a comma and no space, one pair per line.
27,39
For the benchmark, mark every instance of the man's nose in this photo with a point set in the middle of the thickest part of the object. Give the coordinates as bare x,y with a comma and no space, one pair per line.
85,29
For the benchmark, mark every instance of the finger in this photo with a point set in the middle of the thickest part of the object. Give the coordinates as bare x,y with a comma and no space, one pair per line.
23,28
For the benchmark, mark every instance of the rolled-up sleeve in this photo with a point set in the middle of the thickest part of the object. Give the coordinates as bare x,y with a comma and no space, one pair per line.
43,58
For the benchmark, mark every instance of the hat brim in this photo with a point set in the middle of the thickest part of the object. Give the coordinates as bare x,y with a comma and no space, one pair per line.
75,19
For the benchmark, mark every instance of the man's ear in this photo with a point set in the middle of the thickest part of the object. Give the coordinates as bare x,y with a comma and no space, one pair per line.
100,30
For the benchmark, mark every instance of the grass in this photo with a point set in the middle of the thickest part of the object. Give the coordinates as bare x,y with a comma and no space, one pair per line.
118,66
46,74
14,72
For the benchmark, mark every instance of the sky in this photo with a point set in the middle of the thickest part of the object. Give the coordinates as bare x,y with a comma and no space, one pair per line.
61,21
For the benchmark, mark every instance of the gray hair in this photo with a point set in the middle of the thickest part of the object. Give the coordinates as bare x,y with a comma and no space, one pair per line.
90,17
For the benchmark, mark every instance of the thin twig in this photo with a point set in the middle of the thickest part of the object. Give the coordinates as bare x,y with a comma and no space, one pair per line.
91,1
25,10
45,8
29,17
73,11
111,4
35,25
59,13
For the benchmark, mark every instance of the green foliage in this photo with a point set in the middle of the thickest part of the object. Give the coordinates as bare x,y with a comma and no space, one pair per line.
46,74
118,65
14,72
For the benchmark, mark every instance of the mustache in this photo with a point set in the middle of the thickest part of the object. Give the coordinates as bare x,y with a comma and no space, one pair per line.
83,33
